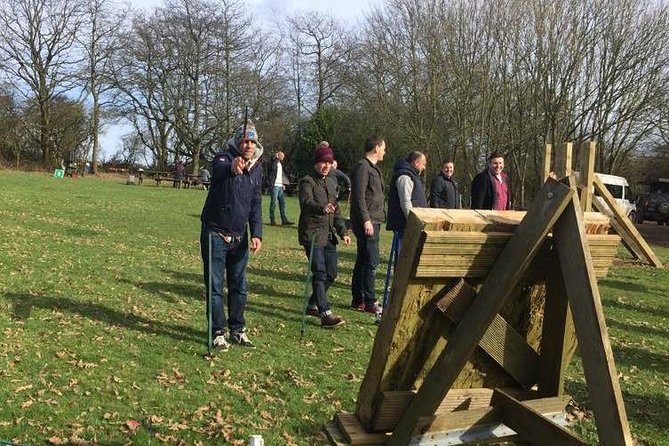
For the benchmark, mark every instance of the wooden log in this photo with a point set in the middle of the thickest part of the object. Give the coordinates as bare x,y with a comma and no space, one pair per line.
505,274
595,348
624,227
530,423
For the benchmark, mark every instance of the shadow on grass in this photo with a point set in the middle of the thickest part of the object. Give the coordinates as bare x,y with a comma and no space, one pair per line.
76,232
651,410
24,303
644,330
636,306
276,274
623,285
640,358
170,292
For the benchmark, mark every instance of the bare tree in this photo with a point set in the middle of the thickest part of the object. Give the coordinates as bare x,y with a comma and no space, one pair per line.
99,37
37,40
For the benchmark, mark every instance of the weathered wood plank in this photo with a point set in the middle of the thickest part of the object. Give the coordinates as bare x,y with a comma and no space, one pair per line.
354,433
546,163
505,274
557,336
531,424
563,160
504,345
587,174
588,314
624,227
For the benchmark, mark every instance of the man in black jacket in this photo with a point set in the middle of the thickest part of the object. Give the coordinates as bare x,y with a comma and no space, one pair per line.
319,224
444,189
491,188
367,214
231,211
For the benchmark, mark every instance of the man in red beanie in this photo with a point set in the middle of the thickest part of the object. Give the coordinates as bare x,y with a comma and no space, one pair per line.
319,224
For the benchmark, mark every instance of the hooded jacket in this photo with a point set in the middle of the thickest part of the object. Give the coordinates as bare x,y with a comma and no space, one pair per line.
234,201
316,192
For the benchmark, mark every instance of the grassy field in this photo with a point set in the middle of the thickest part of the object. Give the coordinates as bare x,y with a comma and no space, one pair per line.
104,331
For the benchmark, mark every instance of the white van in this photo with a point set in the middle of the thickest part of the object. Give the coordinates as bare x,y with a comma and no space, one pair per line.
620,189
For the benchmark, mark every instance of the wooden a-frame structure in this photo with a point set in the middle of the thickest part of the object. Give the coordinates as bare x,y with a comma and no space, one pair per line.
484,314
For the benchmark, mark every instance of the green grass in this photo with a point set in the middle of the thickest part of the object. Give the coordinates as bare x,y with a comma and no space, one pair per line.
103,327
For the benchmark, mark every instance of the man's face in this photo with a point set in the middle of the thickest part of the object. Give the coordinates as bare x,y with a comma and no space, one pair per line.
381,150
279,155
420,163
497,165
323,168
448,169
248,148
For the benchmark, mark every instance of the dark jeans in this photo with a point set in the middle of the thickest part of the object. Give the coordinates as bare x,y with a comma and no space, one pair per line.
226,259
324,272
364,271
277,195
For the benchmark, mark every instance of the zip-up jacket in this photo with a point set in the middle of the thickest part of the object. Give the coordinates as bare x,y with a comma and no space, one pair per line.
367,194
316,192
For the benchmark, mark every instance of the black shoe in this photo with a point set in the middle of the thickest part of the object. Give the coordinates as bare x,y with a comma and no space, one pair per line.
287,223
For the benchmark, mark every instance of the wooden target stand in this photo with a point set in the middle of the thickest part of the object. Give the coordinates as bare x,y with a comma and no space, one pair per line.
484,314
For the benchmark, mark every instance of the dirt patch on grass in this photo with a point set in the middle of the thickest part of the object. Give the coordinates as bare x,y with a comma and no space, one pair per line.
654,234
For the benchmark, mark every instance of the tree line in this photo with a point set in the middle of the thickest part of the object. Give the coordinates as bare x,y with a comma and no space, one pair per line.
456,79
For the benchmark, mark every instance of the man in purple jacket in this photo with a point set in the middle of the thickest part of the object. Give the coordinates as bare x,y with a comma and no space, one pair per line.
231,211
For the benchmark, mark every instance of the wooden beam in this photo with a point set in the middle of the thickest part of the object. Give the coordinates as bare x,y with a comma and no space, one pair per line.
563,160
557,334
500,341
624,227
402,314
504,276
548,149
594,346
587,174
530,424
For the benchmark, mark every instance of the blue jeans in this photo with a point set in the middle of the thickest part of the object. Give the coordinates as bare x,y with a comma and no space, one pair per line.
364,271
231,259
277,195
324,272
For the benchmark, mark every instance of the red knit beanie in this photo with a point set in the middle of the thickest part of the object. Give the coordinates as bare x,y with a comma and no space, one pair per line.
323,154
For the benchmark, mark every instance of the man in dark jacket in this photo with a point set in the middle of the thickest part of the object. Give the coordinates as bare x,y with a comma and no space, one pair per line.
231,211
367,214
491,188
319,224
444,189
406,191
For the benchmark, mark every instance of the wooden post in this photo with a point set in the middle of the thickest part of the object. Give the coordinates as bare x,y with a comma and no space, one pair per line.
587,174
498,285
598,363
563,161
624,227
548,149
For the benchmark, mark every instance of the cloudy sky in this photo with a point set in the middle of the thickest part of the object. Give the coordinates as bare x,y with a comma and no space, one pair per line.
349,11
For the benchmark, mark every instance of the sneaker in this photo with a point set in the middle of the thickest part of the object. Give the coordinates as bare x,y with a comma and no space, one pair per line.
220,343
313,311
374,308
332,321
287,223
240,338
357,307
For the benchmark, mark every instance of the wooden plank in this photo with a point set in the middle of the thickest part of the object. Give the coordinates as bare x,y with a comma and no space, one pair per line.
354,433
530,424
546,163
462,419
563,160
557,334
587,174
505,274
594,346
334,434
500,341
401,315
624,227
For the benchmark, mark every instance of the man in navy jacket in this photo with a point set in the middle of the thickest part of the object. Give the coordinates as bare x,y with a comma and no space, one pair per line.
231,211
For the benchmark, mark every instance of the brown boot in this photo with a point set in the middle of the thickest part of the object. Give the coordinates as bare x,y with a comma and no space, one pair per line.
332,321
